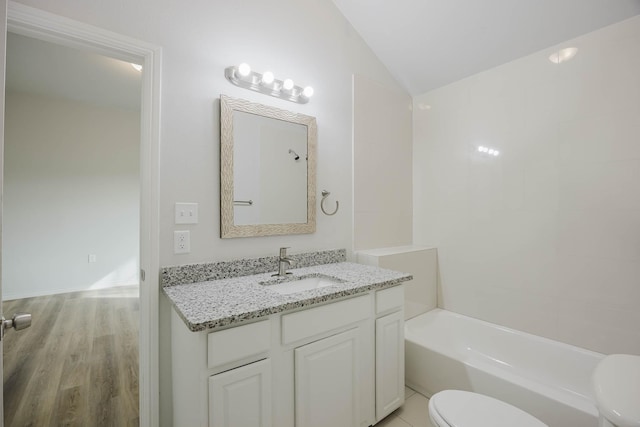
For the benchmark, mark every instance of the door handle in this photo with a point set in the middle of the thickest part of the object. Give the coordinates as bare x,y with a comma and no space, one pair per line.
18,322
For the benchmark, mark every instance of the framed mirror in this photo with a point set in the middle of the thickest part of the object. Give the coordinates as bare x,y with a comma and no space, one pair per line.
267,170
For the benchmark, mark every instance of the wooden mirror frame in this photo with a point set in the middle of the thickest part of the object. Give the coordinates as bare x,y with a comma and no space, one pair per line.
227,227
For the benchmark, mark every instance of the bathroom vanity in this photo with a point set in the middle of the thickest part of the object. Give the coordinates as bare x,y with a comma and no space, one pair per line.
258,351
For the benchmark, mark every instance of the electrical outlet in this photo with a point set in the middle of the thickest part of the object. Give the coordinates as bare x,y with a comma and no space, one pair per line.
186,213
181,242
92,258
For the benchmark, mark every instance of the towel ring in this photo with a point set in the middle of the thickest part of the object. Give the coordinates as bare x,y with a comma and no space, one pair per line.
326,194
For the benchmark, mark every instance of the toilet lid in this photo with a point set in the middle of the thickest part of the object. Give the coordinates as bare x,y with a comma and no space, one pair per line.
463,409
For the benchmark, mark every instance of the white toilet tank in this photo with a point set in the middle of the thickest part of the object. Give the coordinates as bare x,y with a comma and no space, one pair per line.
616,384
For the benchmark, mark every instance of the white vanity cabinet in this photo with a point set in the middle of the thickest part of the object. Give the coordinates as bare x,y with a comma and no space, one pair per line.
241,396
389,351
332,355
336,364
327,391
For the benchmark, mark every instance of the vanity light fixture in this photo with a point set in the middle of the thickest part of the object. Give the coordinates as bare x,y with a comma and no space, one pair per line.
287,84
244,70
307,91
241,75
267,78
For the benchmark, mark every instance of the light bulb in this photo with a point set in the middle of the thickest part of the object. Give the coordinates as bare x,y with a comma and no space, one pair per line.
287,84
481,149
308,92
267,78
491,151
244,69
496,152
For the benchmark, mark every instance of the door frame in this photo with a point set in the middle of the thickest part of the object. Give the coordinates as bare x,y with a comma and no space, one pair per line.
3,57
32,22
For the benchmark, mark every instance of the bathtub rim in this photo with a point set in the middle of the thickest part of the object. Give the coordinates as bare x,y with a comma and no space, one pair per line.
434,312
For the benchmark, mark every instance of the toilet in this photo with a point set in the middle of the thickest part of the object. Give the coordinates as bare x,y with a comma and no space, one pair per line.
616,386
456,408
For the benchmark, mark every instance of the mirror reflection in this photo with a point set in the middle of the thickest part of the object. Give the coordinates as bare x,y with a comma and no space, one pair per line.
267,168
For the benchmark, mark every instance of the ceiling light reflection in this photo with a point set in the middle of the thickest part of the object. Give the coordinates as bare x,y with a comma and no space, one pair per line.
490,151
563,55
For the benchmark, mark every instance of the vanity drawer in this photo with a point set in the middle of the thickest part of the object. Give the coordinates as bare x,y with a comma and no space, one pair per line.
238,343
314,321
388,299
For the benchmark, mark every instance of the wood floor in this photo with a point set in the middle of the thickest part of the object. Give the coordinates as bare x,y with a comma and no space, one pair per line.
77,365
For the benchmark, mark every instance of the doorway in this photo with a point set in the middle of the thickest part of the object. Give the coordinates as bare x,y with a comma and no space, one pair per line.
71,235
38,24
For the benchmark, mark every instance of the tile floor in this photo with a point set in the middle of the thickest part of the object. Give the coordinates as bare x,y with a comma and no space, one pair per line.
414,412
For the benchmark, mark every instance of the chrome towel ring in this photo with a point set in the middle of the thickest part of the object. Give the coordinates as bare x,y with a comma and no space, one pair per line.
326,194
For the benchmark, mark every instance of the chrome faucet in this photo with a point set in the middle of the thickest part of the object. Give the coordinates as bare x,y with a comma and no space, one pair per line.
284,262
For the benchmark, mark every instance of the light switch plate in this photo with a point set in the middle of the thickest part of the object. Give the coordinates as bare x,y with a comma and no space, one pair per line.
186,213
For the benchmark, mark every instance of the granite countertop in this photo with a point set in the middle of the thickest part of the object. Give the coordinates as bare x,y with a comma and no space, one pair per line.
219,303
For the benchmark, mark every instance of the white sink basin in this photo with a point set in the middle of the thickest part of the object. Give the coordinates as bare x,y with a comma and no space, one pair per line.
301,284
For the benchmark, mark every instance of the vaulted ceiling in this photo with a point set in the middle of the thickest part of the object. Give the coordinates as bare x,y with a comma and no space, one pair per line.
427,44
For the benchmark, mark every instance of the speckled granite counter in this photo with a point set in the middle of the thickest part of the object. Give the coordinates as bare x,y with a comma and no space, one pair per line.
219,303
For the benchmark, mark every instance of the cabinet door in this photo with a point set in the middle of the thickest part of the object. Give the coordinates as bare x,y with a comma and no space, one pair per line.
241,397
389,364
326,382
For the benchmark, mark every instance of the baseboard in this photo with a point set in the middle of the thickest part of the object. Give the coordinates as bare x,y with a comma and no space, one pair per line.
9,296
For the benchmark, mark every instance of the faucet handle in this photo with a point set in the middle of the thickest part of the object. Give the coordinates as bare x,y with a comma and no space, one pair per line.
283,251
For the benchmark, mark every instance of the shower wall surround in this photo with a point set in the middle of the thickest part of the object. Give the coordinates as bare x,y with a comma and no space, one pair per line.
545,236
382,196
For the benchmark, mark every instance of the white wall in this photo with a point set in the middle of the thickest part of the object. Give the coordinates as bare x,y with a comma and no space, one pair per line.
545,237
382,147
71,189
308,41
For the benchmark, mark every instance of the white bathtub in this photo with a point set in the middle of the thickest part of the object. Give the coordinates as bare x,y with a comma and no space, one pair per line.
548,379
